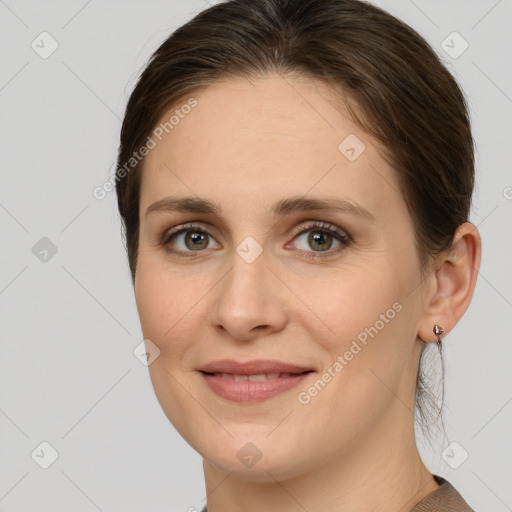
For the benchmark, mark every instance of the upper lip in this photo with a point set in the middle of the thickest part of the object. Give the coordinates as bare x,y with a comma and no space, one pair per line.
254,367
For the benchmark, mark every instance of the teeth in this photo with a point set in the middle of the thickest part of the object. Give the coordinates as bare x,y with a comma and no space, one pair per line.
254,378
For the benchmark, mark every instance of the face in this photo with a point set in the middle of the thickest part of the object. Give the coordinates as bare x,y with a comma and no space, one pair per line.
274,274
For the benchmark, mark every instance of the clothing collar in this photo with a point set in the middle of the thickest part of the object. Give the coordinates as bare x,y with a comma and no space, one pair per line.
443,499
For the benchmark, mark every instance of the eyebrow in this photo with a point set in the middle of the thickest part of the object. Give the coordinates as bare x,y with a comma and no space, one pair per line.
279,208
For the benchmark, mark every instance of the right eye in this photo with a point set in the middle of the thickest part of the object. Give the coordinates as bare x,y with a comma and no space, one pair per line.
189,238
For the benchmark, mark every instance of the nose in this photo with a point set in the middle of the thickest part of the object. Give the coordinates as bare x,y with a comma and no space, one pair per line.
249,301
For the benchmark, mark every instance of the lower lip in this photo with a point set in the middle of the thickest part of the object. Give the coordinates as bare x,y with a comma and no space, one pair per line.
252,391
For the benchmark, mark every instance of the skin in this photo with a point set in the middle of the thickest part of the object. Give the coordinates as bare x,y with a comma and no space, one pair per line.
244,146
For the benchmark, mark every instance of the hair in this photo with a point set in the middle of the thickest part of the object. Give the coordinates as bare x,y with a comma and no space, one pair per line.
389,79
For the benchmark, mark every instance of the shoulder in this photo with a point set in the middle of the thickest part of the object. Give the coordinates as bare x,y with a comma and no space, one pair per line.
443,499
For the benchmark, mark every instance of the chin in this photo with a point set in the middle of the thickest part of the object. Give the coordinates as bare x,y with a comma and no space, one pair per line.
254,457
266,470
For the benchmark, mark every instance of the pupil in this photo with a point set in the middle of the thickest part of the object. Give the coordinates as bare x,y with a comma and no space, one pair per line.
195,238
317,237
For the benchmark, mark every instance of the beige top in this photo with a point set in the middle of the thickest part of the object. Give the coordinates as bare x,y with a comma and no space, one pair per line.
443,499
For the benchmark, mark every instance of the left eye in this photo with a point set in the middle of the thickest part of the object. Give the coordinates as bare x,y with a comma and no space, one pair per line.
320,237
321,240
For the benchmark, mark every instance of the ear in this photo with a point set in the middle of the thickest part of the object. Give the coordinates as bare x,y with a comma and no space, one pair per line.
451,283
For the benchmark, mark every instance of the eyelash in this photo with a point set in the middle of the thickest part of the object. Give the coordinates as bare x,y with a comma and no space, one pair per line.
343,237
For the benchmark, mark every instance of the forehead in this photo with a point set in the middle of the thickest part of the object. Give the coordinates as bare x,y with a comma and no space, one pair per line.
265,138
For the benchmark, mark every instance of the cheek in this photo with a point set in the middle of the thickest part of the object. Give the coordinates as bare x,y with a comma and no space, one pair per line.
165,304
167,318
361,320
347,301
366,355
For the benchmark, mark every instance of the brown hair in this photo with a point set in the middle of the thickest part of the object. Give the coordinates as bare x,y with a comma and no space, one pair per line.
393,84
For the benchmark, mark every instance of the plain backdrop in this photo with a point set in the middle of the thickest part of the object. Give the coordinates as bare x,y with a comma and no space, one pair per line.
68,376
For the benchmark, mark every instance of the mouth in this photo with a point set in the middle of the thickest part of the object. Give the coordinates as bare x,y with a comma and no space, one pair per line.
257,377
252,381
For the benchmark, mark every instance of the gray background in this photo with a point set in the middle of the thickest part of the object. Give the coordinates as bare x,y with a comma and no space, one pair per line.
68,375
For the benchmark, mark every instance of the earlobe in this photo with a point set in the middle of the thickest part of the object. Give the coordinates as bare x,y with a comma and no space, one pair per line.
454,277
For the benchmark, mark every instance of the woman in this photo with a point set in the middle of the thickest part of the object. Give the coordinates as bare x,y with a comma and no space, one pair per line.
294,180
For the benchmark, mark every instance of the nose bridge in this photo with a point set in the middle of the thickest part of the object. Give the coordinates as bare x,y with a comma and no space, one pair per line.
247,298
243,289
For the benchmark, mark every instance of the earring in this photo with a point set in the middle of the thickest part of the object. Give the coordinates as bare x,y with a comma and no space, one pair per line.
438,330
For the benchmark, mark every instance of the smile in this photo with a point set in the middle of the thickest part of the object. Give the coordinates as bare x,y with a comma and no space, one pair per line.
252,388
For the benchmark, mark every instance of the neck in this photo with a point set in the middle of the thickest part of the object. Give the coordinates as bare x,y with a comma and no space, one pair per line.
381,471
